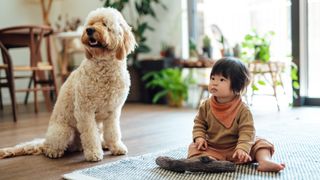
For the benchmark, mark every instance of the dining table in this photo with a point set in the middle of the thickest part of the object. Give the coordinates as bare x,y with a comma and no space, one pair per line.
70,43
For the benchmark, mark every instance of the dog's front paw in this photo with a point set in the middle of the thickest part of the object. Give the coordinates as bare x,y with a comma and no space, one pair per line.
118,148
52,153
93,155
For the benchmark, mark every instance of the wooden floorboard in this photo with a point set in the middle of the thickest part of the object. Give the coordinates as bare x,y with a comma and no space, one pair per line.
145,129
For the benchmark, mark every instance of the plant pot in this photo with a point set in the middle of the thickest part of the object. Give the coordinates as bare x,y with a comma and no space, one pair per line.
135,88
207,51
174,103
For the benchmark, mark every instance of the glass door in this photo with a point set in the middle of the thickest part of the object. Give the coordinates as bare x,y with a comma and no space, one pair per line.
313,90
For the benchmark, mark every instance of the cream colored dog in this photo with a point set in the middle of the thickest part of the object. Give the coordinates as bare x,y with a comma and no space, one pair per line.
90,101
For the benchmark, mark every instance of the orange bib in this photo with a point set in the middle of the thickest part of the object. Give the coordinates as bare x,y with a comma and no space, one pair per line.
226,112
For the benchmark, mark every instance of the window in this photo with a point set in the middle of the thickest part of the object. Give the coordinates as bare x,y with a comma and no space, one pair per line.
313,90
235,19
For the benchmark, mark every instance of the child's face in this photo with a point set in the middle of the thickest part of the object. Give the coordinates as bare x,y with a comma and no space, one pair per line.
220,87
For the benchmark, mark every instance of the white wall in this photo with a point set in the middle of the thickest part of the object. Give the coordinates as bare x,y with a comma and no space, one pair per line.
169,27
12,13
17,12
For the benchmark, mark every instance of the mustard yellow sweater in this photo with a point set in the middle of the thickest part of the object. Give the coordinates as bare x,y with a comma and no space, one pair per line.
240,135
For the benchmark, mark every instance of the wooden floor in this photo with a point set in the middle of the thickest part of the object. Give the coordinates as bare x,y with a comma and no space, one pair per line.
145,129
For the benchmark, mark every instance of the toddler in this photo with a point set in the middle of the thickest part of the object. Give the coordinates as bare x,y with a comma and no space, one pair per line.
223,131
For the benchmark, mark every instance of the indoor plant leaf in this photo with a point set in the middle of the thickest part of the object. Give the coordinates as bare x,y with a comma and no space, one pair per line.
172,82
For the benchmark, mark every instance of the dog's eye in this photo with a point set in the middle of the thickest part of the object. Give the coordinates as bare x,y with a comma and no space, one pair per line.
109,29
104,24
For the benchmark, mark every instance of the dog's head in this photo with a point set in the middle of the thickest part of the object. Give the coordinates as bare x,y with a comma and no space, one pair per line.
107,34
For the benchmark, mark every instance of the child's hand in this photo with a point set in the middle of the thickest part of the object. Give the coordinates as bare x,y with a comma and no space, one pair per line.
242,156
201,143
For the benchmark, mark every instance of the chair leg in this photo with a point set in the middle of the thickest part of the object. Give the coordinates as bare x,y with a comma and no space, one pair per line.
13,102
1,103
246,96
36,107
11,86
276,97
203,90
28,92
281,82
274,86
200,98
54,92
252,89
40,79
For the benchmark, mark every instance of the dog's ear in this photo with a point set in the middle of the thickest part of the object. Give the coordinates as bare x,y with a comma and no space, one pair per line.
128,43
121,52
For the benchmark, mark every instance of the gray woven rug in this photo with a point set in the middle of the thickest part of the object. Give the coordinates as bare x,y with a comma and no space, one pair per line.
300,153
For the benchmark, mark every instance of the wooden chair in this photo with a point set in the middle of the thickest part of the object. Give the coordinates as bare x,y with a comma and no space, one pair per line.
7,80
41,73
271,69
203,91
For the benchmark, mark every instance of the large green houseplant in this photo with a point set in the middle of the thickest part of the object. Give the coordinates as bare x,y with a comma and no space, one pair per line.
174,86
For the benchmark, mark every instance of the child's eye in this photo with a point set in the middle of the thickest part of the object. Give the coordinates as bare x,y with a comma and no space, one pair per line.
222,80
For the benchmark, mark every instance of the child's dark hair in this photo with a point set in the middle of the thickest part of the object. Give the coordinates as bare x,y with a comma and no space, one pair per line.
233,69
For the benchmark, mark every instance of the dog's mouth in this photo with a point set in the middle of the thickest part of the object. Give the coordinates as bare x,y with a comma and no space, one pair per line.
92,42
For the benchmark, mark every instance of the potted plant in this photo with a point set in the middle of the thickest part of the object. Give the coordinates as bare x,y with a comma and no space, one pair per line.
206,46
218,35
256,47
174,87
167,50
193,52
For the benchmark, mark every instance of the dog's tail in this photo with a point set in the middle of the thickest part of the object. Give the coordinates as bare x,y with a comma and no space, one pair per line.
28,148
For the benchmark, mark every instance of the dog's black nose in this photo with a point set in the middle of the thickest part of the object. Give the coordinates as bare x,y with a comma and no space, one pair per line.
90,31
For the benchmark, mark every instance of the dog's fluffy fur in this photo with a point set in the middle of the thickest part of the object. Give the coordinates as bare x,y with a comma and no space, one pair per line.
87,112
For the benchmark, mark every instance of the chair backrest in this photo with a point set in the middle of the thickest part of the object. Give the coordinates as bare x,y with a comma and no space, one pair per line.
28,36
7,63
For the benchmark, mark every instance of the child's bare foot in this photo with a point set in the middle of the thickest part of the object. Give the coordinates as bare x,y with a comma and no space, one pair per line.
270,166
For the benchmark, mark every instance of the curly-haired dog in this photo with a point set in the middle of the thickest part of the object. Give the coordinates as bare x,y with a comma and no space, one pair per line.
90,101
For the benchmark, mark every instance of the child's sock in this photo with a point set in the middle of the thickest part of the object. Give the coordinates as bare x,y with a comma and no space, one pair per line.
199,164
